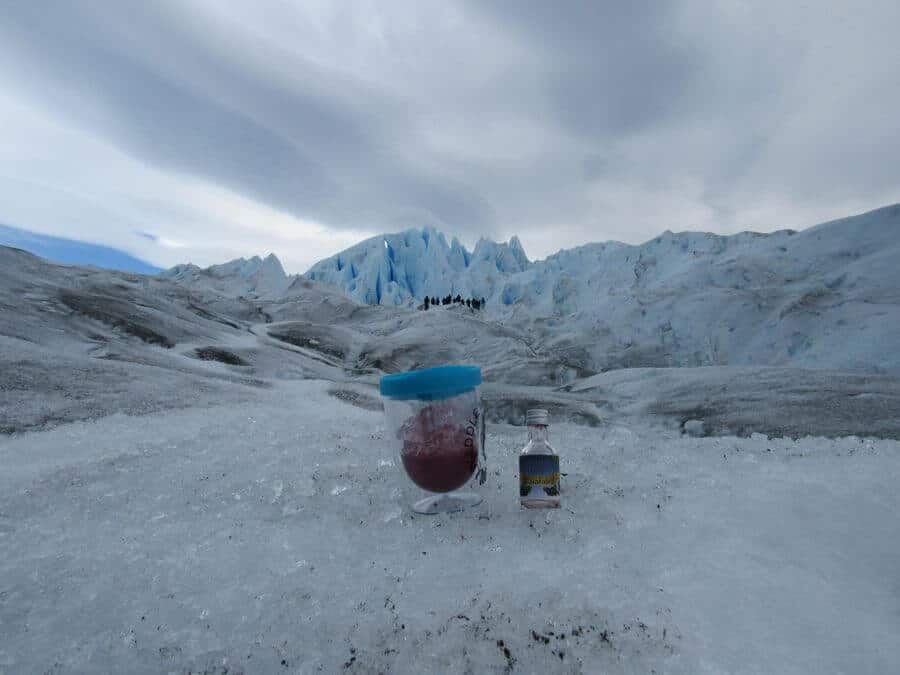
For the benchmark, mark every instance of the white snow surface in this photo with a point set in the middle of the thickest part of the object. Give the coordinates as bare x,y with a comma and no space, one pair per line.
274,536
195,477
79,343
254,277
825,297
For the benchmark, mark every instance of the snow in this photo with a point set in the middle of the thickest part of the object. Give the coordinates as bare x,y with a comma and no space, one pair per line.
256,277
826,297
823,298
195,477
78,343
274,536
694,428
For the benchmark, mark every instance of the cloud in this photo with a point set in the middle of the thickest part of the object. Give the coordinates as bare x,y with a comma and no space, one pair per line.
221,126
162,241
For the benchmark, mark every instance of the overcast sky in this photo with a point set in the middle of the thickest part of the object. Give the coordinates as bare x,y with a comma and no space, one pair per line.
205,130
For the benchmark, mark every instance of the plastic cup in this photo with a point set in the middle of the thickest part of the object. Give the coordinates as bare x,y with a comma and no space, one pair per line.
435,419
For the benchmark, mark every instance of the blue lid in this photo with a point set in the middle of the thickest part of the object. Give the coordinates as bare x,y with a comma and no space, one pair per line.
431,384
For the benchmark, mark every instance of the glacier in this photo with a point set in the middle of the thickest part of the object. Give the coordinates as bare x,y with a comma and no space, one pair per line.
196,475
252,277
401,269
827,296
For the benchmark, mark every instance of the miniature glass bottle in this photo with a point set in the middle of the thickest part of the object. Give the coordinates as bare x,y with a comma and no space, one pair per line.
538,465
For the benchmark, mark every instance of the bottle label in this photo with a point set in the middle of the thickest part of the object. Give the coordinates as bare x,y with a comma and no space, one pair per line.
539,475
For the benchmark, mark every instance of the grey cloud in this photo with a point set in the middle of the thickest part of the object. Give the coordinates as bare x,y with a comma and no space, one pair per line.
610,67
318,147
631,117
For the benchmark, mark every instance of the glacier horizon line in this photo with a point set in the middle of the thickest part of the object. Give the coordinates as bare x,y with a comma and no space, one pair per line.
606,242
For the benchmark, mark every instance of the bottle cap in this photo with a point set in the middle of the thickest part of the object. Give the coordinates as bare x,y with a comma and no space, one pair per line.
537,416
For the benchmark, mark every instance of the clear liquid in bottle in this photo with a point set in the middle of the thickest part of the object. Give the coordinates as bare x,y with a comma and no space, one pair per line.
538,465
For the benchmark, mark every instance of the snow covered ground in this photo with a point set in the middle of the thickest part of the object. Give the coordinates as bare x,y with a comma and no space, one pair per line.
824,297
78,343
272,536
194,479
